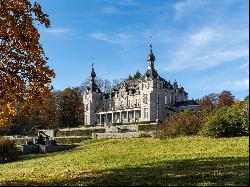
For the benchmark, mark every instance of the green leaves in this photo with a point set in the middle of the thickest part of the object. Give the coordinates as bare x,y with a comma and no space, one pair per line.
228,121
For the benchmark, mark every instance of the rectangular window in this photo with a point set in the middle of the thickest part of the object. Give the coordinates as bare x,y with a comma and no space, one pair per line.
145,98
166,100
86,121
158,98
145,113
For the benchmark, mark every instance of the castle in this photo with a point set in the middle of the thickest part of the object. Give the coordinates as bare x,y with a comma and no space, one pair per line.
149,98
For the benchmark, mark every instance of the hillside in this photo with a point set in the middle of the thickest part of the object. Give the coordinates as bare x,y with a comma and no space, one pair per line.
136,161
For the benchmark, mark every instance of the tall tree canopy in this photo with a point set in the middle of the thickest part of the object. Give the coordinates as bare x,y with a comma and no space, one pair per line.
24,74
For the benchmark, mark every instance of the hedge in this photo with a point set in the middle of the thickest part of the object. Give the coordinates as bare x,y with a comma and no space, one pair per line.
85,132
69,140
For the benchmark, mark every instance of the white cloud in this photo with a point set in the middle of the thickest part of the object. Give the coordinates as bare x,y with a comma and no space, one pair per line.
246,65
56,30
182,7
126,2
112,37
109,10
203,36
209,47
232,85
241,84
206,88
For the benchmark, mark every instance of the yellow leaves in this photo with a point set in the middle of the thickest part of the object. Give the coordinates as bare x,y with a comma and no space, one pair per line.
6,113
24,74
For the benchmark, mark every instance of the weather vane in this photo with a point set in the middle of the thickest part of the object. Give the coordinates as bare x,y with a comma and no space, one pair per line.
150,42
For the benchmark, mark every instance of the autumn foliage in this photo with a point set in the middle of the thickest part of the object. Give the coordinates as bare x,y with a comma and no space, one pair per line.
24,74
183,124
222,116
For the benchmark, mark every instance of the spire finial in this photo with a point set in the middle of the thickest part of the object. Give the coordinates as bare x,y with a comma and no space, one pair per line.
92,59
92,73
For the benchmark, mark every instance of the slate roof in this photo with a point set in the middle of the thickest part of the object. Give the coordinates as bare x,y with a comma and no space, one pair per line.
185,103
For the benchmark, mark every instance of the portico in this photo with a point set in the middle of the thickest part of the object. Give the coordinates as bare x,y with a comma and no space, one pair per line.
118,116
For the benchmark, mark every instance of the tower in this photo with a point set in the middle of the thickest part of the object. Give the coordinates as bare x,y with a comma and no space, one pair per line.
91,99
151,72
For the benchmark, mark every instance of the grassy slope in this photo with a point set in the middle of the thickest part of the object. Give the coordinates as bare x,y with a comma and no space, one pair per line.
139,161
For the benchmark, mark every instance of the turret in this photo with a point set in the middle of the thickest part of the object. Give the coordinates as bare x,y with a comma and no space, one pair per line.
93,87
151,72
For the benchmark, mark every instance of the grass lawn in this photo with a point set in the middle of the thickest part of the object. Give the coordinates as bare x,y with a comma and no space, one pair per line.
137,161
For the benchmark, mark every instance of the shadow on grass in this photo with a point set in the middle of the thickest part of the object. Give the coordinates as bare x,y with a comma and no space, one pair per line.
210,171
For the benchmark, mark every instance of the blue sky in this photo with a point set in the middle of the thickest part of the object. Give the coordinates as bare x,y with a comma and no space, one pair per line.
203,44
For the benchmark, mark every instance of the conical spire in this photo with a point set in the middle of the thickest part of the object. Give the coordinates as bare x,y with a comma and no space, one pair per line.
92,73
93,86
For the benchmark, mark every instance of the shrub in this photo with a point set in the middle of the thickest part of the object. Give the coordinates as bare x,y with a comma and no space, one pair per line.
148,127
228,121
8,150
182,124
67,140
144,135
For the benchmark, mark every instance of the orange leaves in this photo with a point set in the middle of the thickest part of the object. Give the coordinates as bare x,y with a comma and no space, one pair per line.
6,113
24,75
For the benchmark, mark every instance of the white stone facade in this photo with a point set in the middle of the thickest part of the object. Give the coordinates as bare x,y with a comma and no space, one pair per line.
149,98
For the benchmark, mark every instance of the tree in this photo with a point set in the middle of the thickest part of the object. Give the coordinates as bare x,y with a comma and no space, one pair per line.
117,81
104,85
70,106
209,102
228,121
44,116
24,74
225,99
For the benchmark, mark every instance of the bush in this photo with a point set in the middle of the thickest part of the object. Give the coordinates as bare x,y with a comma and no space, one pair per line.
182,124
228,121
8,150
144,135
149,127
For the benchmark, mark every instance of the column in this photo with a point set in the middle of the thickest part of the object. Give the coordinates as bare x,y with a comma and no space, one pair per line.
134,115
120,117
127,116
112,120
